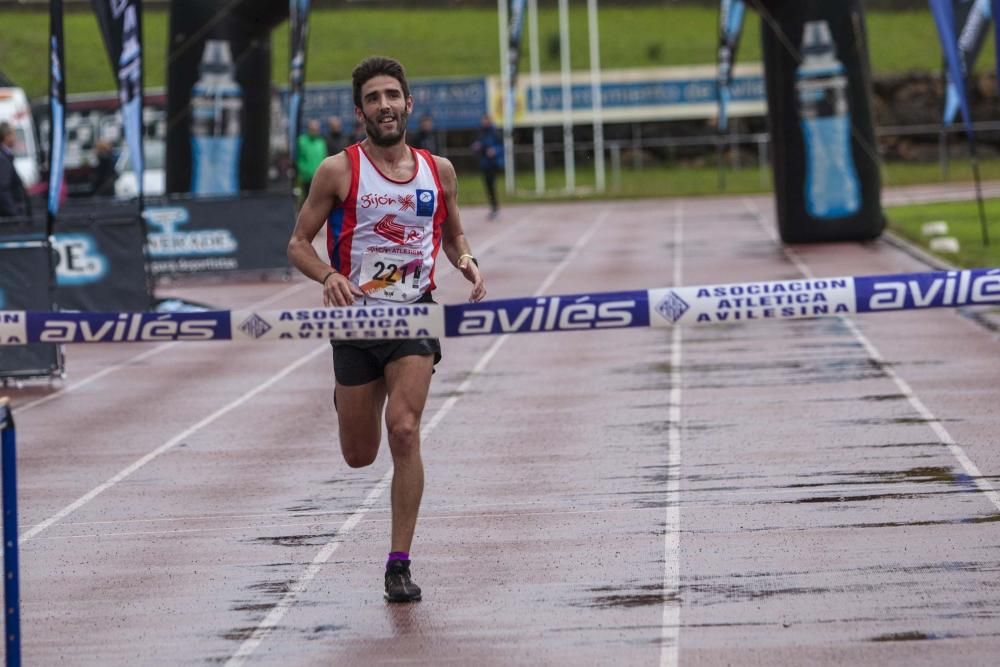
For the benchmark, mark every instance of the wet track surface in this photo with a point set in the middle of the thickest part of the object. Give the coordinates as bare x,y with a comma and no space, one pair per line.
810,492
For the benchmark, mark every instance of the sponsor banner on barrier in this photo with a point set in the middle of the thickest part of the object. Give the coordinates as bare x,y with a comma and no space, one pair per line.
218,234
927,290
457,103
633,95
81,261
575,312
781,299
25,269
376,322
13,330
100,263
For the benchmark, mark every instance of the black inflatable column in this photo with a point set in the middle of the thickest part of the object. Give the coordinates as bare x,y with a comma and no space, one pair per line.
219,95
826,172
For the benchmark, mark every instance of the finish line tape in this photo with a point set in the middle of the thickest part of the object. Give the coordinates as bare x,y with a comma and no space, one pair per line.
700,304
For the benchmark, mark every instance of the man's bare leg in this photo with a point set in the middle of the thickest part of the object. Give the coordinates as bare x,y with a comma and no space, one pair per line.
408,380
359,414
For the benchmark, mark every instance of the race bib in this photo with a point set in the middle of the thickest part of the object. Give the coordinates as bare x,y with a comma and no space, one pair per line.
390,276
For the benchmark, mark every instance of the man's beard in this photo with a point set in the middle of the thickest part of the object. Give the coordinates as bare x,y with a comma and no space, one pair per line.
386,139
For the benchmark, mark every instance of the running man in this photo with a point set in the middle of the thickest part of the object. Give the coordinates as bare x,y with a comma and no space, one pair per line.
390,208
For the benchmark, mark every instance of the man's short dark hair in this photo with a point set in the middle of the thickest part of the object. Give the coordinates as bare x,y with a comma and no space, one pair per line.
5,129
369,68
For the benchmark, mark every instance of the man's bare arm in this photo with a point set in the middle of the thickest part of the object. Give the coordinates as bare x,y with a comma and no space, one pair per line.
453,240
329,186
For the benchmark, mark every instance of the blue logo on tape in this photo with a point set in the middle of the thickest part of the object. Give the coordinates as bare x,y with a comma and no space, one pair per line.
612,310
127,327
672,307
927,290
425,202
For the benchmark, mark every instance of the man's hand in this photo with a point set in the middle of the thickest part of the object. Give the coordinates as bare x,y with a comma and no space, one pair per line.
471,273
339,291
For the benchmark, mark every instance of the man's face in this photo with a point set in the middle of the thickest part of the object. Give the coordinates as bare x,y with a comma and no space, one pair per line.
8,140
384,110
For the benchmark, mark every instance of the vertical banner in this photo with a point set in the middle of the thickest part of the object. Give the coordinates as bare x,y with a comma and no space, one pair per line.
515,29
514,33
57,106
731,15
298,40
995,6
818,77
944,18
219,95
121,26
972,17
216,122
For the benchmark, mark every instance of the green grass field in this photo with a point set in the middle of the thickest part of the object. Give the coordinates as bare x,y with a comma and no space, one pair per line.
452,42
963,224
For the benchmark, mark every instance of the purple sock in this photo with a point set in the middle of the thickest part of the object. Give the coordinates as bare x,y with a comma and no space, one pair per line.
397,555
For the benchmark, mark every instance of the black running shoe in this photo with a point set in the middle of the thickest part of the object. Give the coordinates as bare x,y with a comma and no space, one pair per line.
398,585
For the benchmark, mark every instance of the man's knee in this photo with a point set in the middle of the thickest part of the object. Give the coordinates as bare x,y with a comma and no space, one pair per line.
359,459
404,436
358,454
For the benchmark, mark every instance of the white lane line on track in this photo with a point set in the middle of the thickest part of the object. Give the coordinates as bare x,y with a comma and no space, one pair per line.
297,587
671,626
144,355
167,446
971,469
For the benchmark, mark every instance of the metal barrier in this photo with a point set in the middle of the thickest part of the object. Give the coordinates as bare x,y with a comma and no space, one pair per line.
11,579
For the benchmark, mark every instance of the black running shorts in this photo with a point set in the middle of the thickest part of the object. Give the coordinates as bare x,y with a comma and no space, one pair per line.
360,362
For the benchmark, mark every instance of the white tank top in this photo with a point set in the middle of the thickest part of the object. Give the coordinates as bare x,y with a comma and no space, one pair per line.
386,234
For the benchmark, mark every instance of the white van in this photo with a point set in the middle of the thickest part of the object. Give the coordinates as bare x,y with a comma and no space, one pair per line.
14,109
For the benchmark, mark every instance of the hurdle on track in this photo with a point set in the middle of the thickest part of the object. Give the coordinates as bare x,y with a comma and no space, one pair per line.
11,584
664,307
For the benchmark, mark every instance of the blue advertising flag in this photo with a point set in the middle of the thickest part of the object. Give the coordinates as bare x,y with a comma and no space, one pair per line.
514,39
121,26
944,17
731,15
973,18
996,31
57,106
298,26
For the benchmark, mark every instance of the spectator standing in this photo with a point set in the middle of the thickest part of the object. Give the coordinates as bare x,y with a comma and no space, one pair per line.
103,176
311,152
335,139
489,147
426,137
358,133
13,197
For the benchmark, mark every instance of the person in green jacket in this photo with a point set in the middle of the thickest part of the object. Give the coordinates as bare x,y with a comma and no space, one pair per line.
311,152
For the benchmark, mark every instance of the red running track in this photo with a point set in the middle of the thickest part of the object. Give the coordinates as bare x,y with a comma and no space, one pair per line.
809,492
